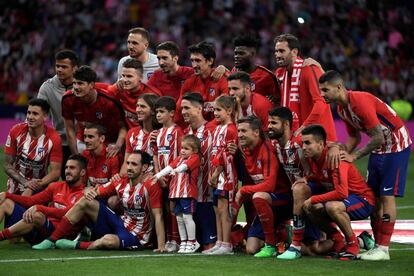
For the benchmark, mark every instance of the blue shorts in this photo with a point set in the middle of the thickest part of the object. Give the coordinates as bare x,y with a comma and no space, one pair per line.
312,233
110,223
205,220
36,235
282,208
357,207
184,205
220,193
316,189
387,173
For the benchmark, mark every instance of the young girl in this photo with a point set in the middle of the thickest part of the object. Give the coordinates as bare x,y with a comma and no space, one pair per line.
223,174
183,190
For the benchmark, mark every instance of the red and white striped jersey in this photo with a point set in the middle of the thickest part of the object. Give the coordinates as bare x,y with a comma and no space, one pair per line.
168,145
136,202
365,111
138,139
223,135
292,159
205,134
32,154
184,184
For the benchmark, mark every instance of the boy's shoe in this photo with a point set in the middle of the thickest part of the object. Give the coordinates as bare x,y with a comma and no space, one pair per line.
376,254
46,244
290,254
171,246
223,250
192,247
266,251
183,247
212,249
66,244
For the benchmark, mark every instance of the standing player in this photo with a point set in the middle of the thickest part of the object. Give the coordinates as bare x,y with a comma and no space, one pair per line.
30,148
223,175
132,88
263,81
100,168
203,57
183,190
389,146
205,218
138,42
343,196
52,90
299,85
251,103
85,103
30,217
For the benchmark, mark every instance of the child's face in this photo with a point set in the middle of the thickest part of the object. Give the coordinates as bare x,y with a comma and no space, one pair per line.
220,113
163,115
186,150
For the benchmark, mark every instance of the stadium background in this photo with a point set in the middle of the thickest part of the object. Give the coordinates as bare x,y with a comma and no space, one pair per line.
370,42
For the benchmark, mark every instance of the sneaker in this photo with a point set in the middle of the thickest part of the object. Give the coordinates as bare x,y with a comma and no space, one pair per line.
266,251
183,247
223,250
332,255
367,239
66,244
347,256
46,244
171,246
290,254
212,249
192,247
376,254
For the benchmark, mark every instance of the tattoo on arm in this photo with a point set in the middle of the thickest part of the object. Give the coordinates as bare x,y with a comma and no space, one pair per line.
10,170
377,138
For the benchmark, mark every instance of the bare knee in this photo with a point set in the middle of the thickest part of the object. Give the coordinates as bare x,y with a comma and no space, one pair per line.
109,242
301,190
333,208
38,219
7,206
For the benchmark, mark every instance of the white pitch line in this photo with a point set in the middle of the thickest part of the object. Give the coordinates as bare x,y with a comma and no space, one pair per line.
405,207
127,257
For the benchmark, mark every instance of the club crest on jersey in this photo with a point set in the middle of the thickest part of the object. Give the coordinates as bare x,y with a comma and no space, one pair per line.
104,168
221,137
40,150
138,199
259,164
212,91
169,137
99,115
252,85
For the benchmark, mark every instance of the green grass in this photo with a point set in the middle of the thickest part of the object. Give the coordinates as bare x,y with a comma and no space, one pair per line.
68,262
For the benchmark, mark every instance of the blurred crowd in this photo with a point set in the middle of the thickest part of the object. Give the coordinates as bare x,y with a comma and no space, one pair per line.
368,41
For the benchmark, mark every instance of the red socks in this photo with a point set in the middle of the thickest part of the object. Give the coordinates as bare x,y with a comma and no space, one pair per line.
5,234
265,213
84,245
387,228
352,245
376,225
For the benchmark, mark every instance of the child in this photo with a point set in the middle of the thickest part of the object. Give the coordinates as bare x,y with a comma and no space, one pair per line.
183,190
166,149
223,172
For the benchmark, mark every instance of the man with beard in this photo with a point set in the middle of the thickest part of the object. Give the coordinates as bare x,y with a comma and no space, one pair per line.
28,217
131,230
87,103
239,85
52,90
30,148
299,87
263,82
138,42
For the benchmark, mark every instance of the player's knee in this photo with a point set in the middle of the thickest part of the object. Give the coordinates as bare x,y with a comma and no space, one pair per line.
113,203
261,195
38,219
300,190
110,242
333,208
7,206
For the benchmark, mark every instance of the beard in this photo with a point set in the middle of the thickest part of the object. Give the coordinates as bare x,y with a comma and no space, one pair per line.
275,135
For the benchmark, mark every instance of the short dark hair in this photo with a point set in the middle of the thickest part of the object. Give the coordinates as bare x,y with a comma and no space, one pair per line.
146,159
138,30
170,47
68,54
85,73
242,76
194,97
330,76
283,113
293,41
246,40
317,131
167,102
43,104
206,49
134,64
100,128
254,123
83,162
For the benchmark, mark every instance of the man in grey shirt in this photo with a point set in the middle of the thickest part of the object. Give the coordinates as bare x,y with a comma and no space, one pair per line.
138,41
52,90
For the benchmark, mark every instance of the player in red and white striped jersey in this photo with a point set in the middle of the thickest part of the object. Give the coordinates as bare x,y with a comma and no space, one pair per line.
389,149
30,148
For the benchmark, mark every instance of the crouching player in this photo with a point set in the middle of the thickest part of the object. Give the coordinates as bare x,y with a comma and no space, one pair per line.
339,195
28,217
131,230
